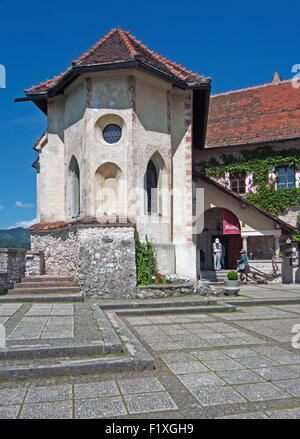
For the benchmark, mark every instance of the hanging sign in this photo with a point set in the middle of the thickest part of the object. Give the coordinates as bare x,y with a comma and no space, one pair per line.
231,225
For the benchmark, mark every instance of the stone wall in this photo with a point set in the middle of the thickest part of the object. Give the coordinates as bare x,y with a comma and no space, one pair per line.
101,259
107,262
12,267
34,263
290,215
61,250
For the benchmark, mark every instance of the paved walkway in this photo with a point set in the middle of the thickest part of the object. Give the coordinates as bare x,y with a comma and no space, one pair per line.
217,365
270,291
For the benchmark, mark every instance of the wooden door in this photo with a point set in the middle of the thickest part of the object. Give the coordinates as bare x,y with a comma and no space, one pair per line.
233,249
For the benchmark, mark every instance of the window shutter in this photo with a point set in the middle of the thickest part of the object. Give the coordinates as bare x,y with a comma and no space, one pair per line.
227,180
297,178
272,177
249,182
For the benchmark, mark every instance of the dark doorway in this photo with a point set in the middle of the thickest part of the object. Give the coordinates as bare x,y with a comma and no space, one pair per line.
233,250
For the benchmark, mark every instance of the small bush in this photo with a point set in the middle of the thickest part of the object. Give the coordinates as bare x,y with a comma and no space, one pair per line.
232,275
145,262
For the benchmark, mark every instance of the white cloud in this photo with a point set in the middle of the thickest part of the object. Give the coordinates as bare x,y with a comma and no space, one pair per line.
24,206
24,224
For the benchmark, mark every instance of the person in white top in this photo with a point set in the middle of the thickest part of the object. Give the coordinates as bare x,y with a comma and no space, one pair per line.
217,252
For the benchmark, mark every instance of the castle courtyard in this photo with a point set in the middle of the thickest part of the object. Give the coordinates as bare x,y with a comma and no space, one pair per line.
185,358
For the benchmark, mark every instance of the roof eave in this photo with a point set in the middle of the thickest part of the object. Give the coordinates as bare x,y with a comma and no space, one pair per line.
254,143
135,63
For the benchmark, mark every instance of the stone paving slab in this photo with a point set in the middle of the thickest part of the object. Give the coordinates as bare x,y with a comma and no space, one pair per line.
51,410
9,412
240,376
99,408
94,390
149,403
45,394
9,309
261,391
290,386
293,413
211,396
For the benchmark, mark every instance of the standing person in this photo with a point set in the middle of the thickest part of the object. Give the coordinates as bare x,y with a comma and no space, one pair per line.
243,265
223,254
217,252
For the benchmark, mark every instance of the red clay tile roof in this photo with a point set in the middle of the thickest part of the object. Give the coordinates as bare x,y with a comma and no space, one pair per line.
106,221
119,46
256,114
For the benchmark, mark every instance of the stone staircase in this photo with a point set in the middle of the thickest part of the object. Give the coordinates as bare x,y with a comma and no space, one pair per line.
45,285
214,277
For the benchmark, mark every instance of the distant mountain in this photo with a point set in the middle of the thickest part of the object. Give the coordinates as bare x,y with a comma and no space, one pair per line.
15,238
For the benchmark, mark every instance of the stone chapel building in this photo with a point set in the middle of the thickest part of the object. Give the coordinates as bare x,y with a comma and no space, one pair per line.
126,131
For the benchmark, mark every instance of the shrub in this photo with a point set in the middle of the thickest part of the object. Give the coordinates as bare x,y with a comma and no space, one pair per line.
145,262
232,275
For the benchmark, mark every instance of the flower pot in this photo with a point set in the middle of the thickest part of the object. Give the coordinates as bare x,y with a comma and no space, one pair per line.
232,287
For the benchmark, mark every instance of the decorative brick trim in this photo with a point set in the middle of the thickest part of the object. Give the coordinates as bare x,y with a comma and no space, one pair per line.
132,93
188,168
168,113
89,86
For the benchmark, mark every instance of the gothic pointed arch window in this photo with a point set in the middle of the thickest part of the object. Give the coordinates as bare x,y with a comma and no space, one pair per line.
152,188
154,184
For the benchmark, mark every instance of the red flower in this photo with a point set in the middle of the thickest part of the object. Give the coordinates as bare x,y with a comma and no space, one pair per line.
158,276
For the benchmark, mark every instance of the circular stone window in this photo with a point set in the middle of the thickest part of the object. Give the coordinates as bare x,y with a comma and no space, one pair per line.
112,133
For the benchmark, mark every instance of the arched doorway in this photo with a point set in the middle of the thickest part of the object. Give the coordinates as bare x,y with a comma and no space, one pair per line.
223,224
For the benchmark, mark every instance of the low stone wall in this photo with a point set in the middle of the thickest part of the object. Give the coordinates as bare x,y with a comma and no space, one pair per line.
100,258
165,290
12,267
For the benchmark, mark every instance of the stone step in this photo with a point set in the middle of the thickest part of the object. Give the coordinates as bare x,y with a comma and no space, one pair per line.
45,290
47,278
211,278
214,275
67,297
32,285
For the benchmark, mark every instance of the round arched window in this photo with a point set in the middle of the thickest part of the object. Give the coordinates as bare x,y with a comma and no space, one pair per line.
112,133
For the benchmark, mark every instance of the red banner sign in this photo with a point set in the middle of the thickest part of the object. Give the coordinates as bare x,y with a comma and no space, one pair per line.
231,224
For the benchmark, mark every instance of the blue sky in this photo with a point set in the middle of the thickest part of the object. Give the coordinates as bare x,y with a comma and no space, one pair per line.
237,43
